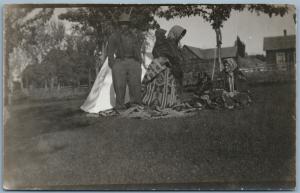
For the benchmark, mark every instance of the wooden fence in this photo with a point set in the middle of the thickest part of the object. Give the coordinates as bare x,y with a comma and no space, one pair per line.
254,75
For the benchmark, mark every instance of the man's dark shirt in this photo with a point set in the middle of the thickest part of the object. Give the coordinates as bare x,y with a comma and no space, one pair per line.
123,45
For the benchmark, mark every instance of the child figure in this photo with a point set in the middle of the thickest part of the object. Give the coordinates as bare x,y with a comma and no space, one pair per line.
225,93
230,78
160,62
159,48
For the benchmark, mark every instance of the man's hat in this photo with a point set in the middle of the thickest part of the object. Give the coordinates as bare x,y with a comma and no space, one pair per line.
124,18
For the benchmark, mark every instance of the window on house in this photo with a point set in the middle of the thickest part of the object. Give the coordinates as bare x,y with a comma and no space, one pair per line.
280,58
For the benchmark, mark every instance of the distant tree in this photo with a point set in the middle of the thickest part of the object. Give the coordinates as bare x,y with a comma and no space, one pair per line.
18,60
20,32
35,75
48,37
241,48
17,32
60,68
217,14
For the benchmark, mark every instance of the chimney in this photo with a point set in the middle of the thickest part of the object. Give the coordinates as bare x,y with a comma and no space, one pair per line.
284,32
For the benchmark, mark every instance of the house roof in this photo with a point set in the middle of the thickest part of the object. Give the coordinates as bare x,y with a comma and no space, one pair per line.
280,42
251,62
227,52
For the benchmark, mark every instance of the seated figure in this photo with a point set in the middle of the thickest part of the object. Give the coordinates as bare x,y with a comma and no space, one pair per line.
224,91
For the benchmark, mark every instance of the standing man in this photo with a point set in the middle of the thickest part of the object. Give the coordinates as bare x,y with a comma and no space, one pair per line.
124,58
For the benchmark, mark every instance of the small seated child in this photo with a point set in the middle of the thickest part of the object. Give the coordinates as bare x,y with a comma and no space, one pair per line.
224,93
229,80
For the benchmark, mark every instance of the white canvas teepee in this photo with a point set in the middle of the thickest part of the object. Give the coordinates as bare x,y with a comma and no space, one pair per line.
102,95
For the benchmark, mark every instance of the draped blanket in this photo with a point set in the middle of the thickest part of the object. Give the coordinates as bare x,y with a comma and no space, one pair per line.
159,85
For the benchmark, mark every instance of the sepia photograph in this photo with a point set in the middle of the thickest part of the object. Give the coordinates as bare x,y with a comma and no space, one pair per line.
149,97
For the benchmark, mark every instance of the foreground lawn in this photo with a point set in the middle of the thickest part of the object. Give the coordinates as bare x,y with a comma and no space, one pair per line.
54,145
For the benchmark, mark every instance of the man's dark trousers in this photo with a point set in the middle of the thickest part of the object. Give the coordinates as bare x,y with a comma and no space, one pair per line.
127,71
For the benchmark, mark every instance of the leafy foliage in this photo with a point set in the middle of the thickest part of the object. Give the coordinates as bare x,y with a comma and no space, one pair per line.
20,31
100,22
217,14
64,66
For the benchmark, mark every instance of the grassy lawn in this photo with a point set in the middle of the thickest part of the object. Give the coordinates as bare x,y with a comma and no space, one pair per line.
54,145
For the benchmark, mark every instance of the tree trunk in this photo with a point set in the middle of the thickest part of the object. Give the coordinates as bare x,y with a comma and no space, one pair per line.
90,77
52,80
25,82
45,85
77,82
219,43
102,57
22,84
103,53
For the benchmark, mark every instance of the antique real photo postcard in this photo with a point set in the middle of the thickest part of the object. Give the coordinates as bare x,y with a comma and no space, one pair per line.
149,97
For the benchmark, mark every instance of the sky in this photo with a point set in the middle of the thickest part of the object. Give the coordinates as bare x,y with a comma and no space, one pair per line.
250,27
